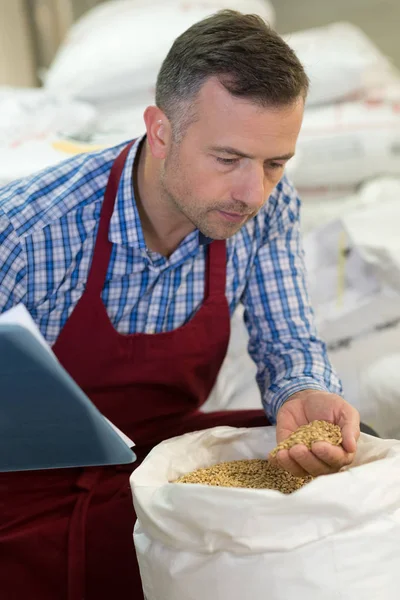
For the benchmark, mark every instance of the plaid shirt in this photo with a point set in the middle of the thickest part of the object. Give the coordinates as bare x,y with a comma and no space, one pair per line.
48,226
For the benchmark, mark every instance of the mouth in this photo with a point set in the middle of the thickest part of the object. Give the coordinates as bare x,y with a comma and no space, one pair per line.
233,217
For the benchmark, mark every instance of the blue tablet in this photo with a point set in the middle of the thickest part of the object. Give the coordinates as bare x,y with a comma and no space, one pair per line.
46,420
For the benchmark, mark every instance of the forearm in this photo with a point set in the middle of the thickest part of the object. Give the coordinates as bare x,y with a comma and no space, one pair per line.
288,370
284,342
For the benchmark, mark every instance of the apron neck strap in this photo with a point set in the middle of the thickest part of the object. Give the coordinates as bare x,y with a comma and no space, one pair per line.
103,246
216,256
216,269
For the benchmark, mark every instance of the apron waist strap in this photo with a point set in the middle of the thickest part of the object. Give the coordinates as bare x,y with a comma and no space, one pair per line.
77,535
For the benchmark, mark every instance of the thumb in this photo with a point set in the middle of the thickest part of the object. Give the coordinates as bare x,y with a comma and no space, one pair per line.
350,432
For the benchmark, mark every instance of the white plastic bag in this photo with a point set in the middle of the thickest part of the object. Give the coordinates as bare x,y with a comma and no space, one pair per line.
335,538
34,114
119,121
37,130
117,48
33,155
346,144
236,386
353,264
380,394
340,60
325,206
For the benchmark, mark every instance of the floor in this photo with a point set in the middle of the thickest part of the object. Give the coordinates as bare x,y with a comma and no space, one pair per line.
378,18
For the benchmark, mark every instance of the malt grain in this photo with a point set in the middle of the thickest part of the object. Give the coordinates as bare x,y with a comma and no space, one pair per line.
254,473
316,431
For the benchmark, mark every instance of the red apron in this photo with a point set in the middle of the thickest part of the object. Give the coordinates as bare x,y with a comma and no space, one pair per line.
67,534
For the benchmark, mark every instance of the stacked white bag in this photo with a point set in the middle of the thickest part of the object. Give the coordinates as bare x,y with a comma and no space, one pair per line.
351,129
236,388
347,143
35,127
340,60
380,392
112,55
353,264
196,542
27,113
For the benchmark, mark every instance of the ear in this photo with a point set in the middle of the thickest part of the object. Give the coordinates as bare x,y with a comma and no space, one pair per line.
158,131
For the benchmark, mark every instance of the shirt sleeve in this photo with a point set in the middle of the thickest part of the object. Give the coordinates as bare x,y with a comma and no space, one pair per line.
283,340
12,266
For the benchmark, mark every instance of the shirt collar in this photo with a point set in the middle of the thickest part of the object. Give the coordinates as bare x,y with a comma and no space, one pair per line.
204,240
125,226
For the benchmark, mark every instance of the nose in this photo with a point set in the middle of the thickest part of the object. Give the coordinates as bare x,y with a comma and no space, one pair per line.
250,188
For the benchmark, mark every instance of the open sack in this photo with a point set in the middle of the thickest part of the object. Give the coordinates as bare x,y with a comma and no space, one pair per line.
335,539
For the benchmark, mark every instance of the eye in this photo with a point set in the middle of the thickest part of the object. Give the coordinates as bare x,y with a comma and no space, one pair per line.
275,165
227,161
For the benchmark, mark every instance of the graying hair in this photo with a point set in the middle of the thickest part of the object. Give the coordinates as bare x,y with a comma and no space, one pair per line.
249,59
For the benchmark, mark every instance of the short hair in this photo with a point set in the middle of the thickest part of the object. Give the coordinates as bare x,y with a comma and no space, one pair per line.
248,57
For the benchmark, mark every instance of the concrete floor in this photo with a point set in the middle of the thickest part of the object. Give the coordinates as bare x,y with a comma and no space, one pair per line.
380,19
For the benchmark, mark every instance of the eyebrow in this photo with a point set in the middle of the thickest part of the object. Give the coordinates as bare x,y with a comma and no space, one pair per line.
229,150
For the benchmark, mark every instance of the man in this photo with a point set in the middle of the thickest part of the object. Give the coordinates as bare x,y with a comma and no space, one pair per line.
131,261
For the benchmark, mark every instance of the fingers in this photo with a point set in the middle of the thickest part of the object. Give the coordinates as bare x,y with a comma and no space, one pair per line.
286,462
349,423
323,459
350,435
334,456
310,463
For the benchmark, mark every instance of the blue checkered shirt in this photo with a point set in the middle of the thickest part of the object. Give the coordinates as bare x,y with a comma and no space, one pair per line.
48,226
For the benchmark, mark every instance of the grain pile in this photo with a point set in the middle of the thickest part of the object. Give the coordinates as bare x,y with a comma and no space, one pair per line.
317,431
254,473
261,474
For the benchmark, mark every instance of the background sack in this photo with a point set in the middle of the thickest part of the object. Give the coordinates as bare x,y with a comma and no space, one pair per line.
340,61
336,538
353,265
345,144
117,48
380,390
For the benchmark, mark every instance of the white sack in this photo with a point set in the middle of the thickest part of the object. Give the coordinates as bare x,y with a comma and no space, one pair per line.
346,144
33,155
388,91
340,60
117,48
37,130
325,206
380,394
352,357
118,121
349,297
236,386
335,538
353,262
34,114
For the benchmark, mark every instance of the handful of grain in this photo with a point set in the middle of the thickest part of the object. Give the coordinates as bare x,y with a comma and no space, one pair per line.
261,474
255,473
317,431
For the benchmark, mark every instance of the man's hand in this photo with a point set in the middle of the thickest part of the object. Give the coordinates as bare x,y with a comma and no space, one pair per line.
324,458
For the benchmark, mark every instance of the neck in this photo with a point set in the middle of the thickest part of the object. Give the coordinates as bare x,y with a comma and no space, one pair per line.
164,226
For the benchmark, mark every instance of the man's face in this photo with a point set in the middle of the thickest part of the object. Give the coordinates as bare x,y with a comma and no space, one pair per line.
229,160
